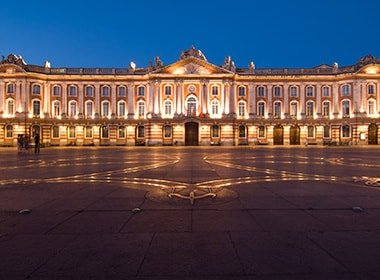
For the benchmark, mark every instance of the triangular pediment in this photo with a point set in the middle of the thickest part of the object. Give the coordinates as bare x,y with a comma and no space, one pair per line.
372,69
191,66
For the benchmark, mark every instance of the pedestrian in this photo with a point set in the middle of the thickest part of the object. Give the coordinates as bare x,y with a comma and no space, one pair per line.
20,140
36,143
26,142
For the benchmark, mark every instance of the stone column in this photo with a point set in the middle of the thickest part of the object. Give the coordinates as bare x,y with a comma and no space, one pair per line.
131,101
363,98
113,101
179,98
302,99
97,100
286,100
378,97
252,100
18,103
270,100
157,93
335,94
205,98
319,101
226,98
24,107
222,98
2,97
80,100
150,97
46,94
233,98
356,97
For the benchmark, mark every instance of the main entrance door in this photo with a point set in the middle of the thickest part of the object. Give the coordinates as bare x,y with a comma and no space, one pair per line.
191,134
372,134
278,135
295,135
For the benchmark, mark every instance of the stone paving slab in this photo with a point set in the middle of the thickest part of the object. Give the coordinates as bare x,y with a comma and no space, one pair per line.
264,223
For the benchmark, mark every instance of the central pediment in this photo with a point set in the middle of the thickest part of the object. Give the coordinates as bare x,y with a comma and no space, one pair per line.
192,66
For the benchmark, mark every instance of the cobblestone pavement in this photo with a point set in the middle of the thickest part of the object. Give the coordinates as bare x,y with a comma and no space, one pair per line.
190,213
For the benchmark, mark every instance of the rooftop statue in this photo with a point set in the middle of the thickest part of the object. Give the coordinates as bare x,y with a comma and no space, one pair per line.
194,53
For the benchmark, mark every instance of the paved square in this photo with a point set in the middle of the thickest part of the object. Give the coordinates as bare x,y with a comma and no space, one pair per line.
190,213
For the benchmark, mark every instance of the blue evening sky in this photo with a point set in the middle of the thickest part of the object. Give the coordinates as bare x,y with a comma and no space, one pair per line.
272,33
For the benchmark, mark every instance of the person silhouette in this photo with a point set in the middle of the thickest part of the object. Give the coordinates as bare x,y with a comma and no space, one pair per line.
36,143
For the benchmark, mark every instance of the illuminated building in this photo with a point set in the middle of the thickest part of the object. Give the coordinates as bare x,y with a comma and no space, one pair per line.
191,102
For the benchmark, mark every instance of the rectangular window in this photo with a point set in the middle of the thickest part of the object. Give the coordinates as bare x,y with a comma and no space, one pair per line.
56,91
88,132
105,91
89,91
215,131
309,91
241,91
277,110
122,92
121,109
261,131
293,109
260,91
371,89
326,91
9,131
55,131
326,109
277,91
168,131
326,131
261,109
72,91
310,131
141,91
104,131
293,91
121,132
168,90
72,132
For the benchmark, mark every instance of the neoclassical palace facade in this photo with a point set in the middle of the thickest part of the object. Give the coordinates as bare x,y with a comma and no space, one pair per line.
190,102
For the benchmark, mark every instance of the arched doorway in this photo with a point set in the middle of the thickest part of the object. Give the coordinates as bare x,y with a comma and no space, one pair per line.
372,134
191,134
295,135
278,135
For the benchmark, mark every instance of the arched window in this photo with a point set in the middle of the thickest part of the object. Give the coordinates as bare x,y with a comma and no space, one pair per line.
89,91
140,131
36,89
9,131
214,90
55,131
10,107
277,109
141,108
371,107
345,108
310,109
261,109
261,131
11,87
56,109
88,132
261,91
293,109
241,91
277,91
309,91
122,91
72,90
191,106
326,109
242,131
214,107
72,108
346,131
168,108
371,89
89,108
56,90
241,109
215,131
121,132
106,91
141,91
293,91
36,107
104,131
326,91
345,90
121,109
105,108
168,90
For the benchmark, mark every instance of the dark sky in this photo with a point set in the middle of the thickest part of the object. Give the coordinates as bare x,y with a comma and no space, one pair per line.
272,33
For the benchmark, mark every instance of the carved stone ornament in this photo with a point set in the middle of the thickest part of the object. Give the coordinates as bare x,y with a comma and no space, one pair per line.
368,59
193,52
13,59
191,68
